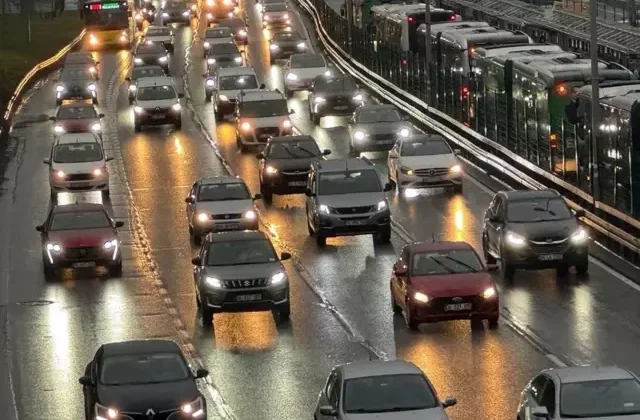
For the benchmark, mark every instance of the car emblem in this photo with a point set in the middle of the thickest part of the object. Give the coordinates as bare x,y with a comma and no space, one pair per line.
226,216
430,172
247,283
83,252
457,299
157,109
354,210
549,240
150,414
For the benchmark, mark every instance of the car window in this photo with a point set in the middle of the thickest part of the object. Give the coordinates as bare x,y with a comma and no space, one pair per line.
348,182
307,62
223,192
238,82
366,116
76,74
76,112
263,109
425,148
156,93
445,262
79,220
147,72
143,369
218,33
342,84
254,251
386,393
538,210
77,152
610,398
293,150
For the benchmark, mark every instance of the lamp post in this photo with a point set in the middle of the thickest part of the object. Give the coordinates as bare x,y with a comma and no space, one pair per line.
595,104
427,50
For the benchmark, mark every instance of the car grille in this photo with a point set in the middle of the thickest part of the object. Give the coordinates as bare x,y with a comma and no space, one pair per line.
431,172
81,253
354,210
246,283
75,89
80,177
158,110
548,240
297,172
339,100
440,303
265,133
226,216
167,415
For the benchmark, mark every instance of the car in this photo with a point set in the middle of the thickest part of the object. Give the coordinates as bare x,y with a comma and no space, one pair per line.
333,95
424,161
160,35
157,103
262,3
345,198
276,15
223,9
534,230
218,204
436,281
77,82
376,128
77,117
372,390
213,36
259,116
175,11
584,392
301,70
80,235
240,271
225,87
151,54
139,73
224,55
239,29
283,45
142,379
81,58
77,162
285,163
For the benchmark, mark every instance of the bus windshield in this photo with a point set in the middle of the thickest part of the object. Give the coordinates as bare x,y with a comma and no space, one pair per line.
106,15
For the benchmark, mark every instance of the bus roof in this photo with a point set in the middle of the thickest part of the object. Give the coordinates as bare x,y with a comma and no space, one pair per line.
621,95
454,26
567,70
524,50
400,12
465,39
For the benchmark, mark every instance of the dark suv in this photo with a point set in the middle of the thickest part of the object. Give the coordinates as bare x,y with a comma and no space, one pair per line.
534,230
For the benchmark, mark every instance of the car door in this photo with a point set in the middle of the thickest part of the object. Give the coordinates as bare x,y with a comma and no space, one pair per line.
532,396
492,228
312,201
396,280
323,398
191,207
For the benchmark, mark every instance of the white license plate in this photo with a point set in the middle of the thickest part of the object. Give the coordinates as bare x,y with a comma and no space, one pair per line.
157,117
458,307
355,222
81,185
84,264
248,298
550,257
340,108
297,183
227,226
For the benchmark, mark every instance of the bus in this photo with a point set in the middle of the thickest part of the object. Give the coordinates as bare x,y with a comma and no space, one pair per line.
108,24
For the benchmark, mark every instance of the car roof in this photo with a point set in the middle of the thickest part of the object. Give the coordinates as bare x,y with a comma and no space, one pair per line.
226,179
290,139
574,374
365,369
69,138
236,71
155,81
426,246
145,48
260,95
377,107
77,207
522,195
78,56
237,235
336,165
140,347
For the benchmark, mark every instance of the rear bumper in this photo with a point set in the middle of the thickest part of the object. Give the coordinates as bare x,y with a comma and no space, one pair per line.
530,259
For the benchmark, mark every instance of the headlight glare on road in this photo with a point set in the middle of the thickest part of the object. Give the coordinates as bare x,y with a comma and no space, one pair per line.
455,169
270,170
421,297
203,217
382,205
54,247
489,293
278,278
110,244
515,240
359,135
250,215
324,209
58,129
213,282
96,127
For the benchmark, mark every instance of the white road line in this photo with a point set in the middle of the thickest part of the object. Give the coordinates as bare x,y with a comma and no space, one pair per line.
635,286
554,359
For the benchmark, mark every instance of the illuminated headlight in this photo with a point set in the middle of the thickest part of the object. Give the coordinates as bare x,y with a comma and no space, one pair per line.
92,69
195,408
96,127
105,413
59,88
58,129
165,15
359,135
213,282
92,87
238,60
382,205
273,47
163,59
207,45
242,32
404,132
138,60
455,169
278,278
245,126
176,107
406,171
292,77
194,7
223,98
358,97
285,16
132,88
515,240
110,244
211,61
61,174
93,40
421,297
209,82
286,124
324,209
270,170
54,247
185,14
97,172
319,100
302,45
489,293
265,17
580,236
210,17
138,110
203,217
123,38
250,215
327,73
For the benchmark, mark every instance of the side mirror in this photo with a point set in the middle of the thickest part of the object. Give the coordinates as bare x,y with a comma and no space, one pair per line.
308,192
128,79
189,200
387,187
40,228
457,151
100,115
400,270
196,261
180,95
393,154
492,267
85,381
496,219
540,412
52,118
119,224
47,162
263,86
202,373
291,112
260,156
327,410
449,402
326,152
257,197
580,213
108,159
285,256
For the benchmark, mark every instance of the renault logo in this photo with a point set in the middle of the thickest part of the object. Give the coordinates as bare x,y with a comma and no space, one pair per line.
247,283
457,299
150,414
226,216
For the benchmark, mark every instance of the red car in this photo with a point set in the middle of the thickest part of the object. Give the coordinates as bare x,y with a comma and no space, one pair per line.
443,281
80,235
77,118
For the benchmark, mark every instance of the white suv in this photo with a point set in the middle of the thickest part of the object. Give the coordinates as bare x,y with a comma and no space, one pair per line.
156,102
78,163
227,84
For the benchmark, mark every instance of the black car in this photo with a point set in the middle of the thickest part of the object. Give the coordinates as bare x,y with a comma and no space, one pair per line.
139,72
216,36
376,128
142,379
285,164
175,12
284,44
151,54
80,58
333,95
77,82
239,29
534,230
224,55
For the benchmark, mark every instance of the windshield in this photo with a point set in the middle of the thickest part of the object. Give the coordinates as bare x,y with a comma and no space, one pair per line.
77,153
254,251
232,23
280,7
238,82
537,210
158,32
308,61
223,192
106,19
81,73
445,262
139,73
175,5
616,397
75,59
263,109
79,220
379,116
342,84
425,148
350,182
287,36
76,112
218,33
229,48
153,93
291,150
143,369
388,393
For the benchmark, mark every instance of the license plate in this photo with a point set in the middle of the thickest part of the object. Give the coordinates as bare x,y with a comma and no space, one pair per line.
84,264
458,307
248,298
431,178
157,117
341,107
550,257
297,183
227,226
385,142
264,136
81,185
355,222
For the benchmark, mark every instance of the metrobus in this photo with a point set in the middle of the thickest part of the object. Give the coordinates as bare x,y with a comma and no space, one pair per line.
107,23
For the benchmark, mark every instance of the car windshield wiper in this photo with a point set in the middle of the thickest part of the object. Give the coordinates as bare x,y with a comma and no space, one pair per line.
457,261
289,152
388,410
450,271
312,154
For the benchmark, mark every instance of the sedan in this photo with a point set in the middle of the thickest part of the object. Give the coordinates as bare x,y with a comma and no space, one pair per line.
77,82
142,379
216,36
375,390
443,281
239,29
175,11
160,35
224,55
150,54
240,271
80,236
333,95
283,45
301,70
375,128
77,118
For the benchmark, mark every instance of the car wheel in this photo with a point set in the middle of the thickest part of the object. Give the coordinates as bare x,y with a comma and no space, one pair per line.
137,127
384,235
267,195
582,267
206,314
130,101
321,239
493,322
106,193
409,319
115,271
394,306
315,118
178,125
485,250
508,270
391,181
457,189
243,148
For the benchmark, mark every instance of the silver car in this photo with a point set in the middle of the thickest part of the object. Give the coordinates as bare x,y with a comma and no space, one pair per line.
389,390
376,128
219,204
301,70
240,271
584,392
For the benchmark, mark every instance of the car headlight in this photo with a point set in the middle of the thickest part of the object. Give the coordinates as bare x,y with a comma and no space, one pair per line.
97,172
250,215
421,297
163,59
489,293
245,126
404,132
319,99
302,45
270,170
359,135
580,236
211,61
273,47
195,408
165,14
106,413
176,107
132,88
327,73
138,60
242,32
455,169
324,209
138,109
96,127
291,76
223,98
194,7
213,282
110,244
238,60
206,44
54,247
93,40
92,87
285,16
406,171
59,88
286,124
265,17
92,69
58,129
358,97
382,205
203,217
61,174
515,240
185,14
138,17
278,278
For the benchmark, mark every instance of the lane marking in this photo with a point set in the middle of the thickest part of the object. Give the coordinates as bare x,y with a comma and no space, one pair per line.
555,360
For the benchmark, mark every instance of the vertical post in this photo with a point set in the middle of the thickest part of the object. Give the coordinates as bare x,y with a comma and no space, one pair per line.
631,12
595,105
427,50
349,4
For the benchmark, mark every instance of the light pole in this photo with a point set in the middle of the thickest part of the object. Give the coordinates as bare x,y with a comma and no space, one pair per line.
595,103
427,50
349,13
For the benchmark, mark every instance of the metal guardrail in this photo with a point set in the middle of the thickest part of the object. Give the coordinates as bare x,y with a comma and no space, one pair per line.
460,134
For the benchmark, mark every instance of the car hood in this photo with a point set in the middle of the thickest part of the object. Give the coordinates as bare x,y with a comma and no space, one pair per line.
448,285
77,82
352,200
78,168
224,207
275,15
140,398
80,124
159,38
436,413
309,73
247,271
342,94
301,164
81,238
232,94
426,162
218,40
165,103
552,229
381,127
276,121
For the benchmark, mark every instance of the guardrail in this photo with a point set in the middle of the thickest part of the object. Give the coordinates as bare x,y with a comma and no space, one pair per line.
502,162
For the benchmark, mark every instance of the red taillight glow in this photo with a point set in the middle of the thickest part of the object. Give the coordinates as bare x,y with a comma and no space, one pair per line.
464,92
95,7
561,90
410,19
453,17
405,62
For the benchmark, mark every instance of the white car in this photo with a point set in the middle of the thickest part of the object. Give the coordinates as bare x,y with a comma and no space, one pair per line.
261,115
77,164
160,35
424,161
227,84
301,70
217,35
156,102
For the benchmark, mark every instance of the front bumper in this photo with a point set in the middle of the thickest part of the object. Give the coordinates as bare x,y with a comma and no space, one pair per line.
443,309
83,257
148,117
260,135
361,224
223,225
298,85
415,181
245,299
77,95
285,182
88,182
336,108
540,257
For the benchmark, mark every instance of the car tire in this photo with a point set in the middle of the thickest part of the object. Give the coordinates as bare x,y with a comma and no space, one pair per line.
284,310
288,93
94,100
384,236
58,102
508,271
411,322
130,101
243,147
137,127
394,306
389,180
54,195
582,267
493,322
485,250
457,189
106,193
206,315
267,195
321,239
115,270
178,125
315,118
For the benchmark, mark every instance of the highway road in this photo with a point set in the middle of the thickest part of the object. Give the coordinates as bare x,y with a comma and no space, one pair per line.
261,368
